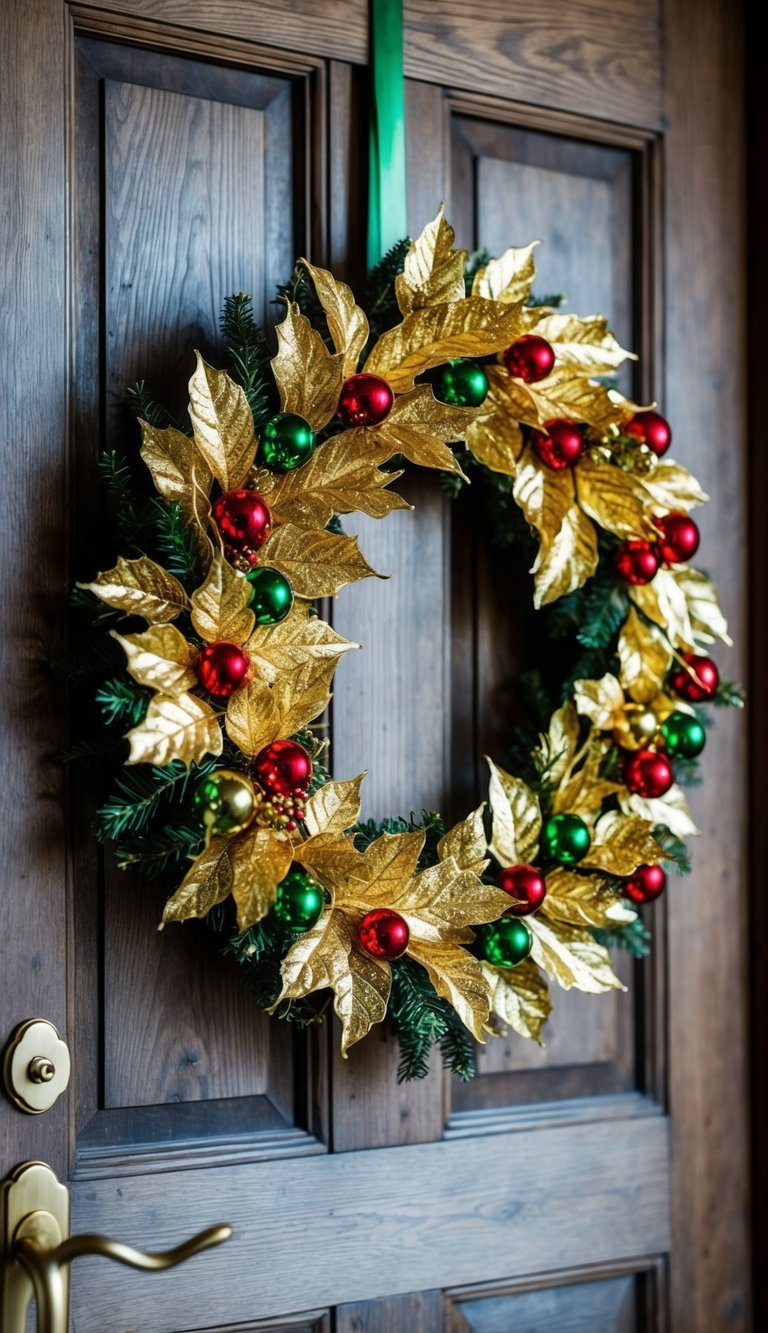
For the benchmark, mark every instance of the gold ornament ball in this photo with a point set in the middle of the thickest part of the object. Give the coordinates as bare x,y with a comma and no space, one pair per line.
638,728
226,801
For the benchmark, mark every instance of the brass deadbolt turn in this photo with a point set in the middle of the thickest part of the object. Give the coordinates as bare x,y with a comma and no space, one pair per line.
36,1066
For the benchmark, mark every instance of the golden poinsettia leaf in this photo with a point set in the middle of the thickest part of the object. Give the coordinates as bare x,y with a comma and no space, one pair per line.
160,658
182,476
664,602
253,719
571,956
469,328
566,392
458,977
387,867
175,727
507,279
586,344
584,792
347,323
341,477
567,554
308,376
220,605
516,818
612,498
316,564
620,844
274,649
494,437
581,900
140,588
433,272
332,858
466,843
419,426
558,747
302,695
602,701
207,882
440,902
706,619
672,488
260,859
223,424
645,657
671,810
334,807
519,998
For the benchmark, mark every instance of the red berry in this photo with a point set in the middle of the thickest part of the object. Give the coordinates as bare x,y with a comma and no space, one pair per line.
283,768
648,774
679,540
697,680
383,934
222,668
244,520
526,885
637,561
365,400
650,428
647,883
530,358
559,444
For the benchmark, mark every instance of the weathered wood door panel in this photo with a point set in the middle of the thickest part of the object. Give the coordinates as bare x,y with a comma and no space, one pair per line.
161,155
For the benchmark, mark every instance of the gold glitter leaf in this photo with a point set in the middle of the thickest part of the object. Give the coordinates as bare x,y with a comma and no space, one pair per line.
572,957
334,807
567,393
182,476
220,605
347,323
612,498
260,859
602,701
516,818
182,728
664,602
419,426
284,647
706,619
645,657
387,868
466,843
558,747
332,858
458,977
160,658
495,438
672,487
472,327
567,554
442,901
207,882
519,998
316,564
671,810
584,793
140,588
223,424
621,843
584,344
584,900
341,477
507,279
433,272
301,695
308,376
252,719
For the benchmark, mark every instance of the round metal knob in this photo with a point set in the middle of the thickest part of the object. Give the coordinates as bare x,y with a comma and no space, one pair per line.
41,1070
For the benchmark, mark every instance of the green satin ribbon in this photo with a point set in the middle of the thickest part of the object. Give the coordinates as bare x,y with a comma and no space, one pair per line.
387,215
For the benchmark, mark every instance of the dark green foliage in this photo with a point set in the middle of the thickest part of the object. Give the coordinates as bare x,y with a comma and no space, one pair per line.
146,408
249,353
141,791
123,703
476,259
379,301
431,823
553,299
634,937
421,1019
128,511
159,849
729,694
675,851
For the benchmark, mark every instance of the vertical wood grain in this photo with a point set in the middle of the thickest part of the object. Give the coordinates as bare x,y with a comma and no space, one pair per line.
421,1312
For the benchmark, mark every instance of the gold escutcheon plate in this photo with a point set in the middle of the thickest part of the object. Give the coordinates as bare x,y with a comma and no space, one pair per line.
36,1066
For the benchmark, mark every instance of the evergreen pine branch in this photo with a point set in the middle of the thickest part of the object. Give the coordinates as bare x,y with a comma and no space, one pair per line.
635,937
418,1016
605,609
553,299
250,356
676,855
91,653
146,408
457,1048
379,300
729,694
431,823
140,792
128,510
476,259
157,850
123,703
174,541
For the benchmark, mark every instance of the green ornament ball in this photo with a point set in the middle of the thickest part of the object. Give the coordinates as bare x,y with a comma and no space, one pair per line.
684,735
225,801
505,942
287,441
461,384
271,595
566,839
299,901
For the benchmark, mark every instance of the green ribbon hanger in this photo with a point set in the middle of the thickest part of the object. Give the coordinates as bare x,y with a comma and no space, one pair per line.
387,213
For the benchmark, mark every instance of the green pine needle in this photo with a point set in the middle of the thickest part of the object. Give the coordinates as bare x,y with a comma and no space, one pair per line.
635,937
250,355
675,851
139,793
123,703
162,849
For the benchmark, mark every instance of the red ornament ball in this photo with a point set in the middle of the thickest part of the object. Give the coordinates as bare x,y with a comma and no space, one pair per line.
637,561
679,540
647,883
559,444
650,428
222,668
283,768
526,885
697,681
244,519
383,934
365,400
648,773
530,358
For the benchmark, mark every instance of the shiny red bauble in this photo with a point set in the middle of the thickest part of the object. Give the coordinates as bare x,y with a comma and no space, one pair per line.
222,668
650,428
526,886
560,444
637,561
530,358
383,934
679,540
283,768
647,883
243,518
648,773
697,681
365,400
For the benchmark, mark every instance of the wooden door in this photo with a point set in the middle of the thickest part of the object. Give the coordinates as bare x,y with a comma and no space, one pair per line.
157,156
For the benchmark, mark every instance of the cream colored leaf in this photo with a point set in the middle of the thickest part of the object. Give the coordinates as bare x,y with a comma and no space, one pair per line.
571,956
342,477
253,719
519,998
160,658
207,882
182,728
182,476
334,807
706,619
260,859
466,843
274,649
469,328
621,843
458,977
308,376
507,279
602,701
672,487
645,657
671,810
664,602
316,564
567,554
220,605
516,818
433,272
223,424
614,499
419,426
301,695
140,588
586,344
347,323
581,900
558,747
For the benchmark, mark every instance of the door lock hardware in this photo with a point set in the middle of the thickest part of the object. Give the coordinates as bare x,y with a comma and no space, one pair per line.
36,1066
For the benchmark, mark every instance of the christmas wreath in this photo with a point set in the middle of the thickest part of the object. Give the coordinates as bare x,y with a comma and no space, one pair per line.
218,665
